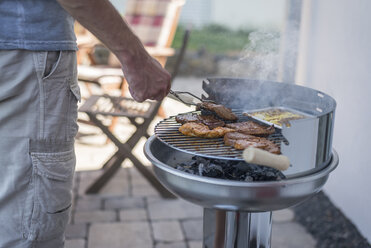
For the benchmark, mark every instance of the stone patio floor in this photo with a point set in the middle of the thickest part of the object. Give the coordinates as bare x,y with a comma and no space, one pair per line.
129,213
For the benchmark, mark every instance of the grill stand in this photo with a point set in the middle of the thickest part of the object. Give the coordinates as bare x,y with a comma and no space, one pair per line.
235,229
236,214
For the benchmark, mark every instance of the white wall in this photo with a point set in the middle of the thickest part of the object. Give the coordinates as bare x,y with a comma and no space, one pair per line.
196,12
249,13
335,57
235,13
119,5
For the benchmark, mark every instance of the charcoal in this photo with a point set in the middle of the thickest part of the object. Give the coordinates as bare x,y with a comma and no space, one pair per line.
249,179
229,169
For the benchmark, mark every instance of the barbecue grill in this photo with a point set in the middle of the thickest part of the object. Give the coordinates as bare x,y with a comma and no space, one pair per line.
238,214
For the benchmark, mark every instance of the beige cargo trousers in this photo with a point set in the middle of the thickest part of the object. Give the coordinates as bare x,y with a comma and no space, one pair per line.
38,112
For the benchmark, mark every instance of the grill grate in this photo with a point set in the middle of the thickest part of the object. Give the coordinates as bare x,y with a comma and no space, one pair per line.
167,131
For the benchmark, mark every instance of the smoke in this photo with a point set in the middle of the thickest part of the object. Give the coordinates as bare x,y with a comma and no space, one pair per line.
270,55
267,56
259,58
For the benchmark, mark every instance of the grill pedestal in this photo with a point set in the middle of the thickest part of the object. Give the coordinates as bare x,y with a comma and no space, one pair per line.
237,214
232,229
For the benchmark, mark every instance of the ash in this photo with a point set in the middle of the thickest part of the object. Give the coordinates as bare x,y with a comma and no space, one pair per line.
231,170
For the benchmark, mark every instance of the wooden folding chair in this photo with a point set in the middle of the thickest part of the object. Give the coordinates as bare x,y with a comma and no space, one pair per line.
107,105
153,21
121,106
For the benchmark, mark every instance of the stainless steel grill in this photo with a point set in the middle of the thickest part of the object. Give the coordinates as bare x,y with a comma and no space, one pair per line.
167,131
238,214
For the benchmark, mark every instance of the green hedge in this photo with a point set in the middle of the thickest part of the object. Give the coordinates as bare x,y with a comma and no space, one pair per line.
214,39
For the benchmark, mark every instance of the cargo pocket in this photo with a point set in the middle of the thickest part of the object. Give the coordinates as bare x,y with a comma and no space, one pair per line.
75,97
50,195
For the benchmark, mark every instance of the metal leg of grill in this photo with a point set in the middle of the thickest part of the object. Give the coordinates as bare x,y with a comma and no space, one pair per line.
236,229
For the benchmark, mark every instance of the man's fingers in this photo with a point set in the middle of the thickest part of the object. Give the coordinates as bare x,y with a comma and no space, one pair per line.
136,95
153,84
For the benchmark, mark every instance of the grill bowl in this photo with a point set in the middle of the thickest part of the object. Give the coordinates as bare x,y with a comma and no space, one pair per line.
232,195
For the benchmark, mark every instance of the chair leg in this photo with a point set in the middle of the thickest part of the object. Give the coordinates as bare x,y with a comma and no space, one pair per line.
161,112
112,126
124,89
124,151
88,88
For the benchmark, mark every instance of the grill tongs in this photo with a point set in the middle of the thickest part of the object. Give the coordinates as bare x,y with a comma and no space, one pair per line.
187,97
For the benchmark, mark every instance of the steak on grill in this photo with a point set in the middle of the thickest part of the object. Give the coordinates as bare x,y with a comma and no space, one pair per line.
203,131
262,144
251,127
241,141
207,120
219,110
231,138
184,118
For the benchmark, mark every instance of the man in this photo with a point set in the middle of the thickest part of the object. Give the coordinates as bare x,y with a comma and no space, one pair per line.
38,108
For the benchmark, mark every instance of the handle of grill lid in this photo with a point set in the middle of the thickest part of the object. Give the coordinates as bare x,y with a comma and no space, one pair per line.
258,156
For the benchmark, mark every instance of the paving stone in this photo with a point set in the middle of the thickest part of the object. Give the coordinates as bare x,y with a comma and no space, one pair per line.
167,231
88,203
76,231
284,215
86,179
89,175
160,209
171,245
195,244
115,188
193,229
137,179
92,151
291,235
117,185
120,235
95,216
75,243
123,202
133,214
144,190
91,196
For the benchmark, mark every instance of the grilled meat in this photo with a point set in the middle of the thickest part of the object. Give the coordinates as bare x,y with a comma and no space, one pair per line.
219,110
251,127
187,118
262,144
211,121
243,144
231,138
241,141
203,131
207,120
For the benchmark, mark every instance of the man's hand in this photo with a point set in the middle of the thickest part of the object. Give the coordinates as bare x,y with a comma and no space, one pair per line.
145,76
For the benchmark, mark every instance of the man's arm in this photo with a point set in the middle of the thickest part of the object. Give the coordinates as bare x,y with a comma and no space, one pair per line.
145,76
